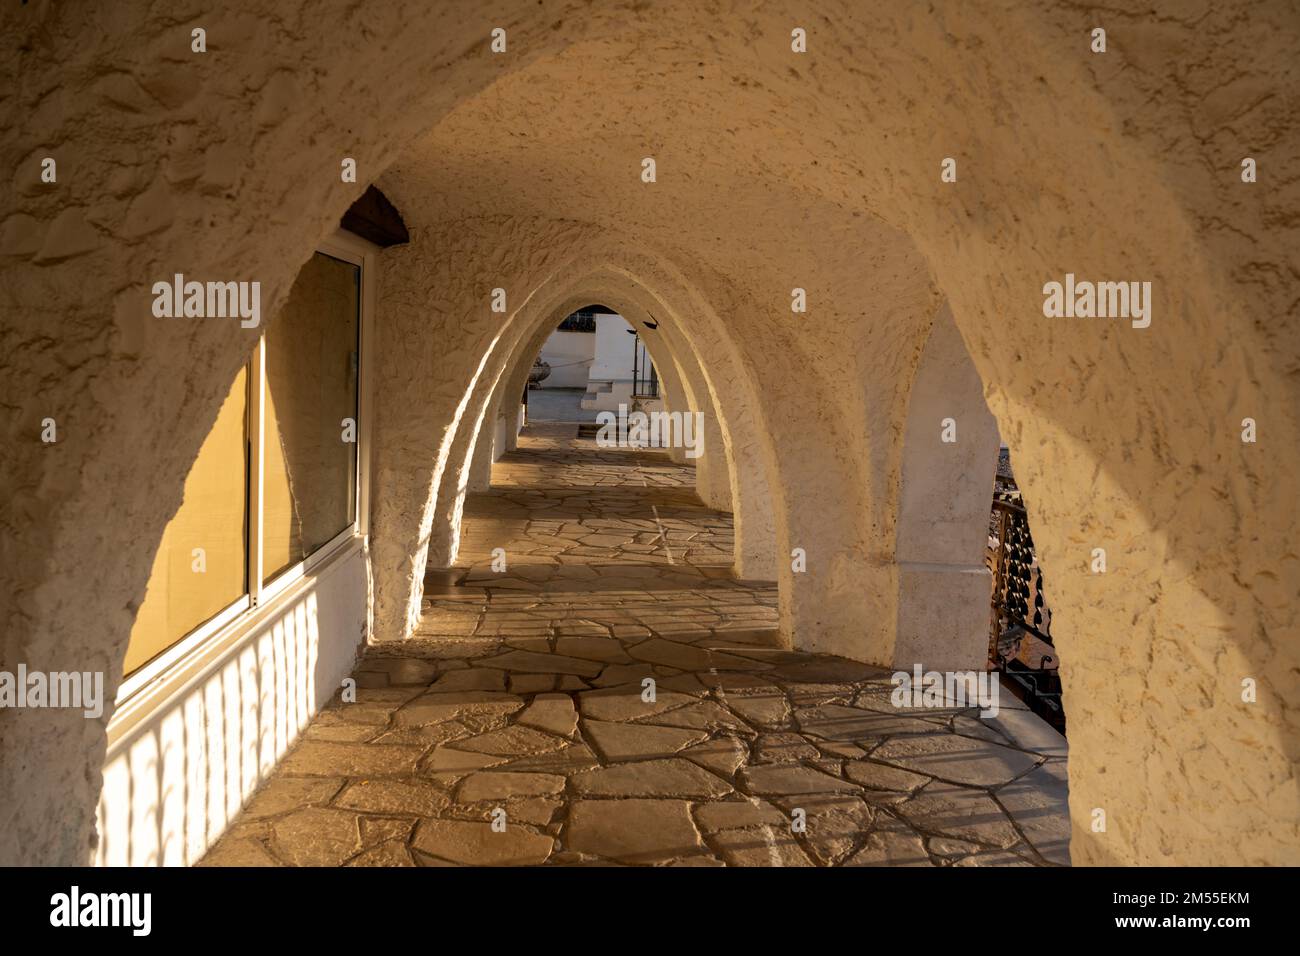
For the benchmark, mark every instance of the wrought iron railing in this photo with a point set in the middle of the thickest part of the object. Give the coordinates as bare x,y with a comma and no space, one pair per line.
645,380
1020,631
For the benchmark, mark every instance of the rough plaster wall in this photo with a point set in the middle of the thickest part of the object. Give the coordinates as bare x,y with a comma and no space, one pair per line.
943,510
1120,166
946,486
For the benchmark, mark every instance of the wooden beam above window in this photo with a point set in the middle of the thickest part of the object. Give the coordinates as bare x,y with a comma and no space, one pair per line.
374,218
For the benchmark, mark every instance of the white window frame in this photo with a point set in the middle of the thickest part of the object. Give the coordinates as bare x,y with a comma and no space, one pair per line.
154,681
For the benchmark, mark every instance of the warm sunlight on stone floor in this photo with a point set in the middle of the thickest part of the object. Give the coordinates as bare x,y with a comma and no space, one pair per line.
523,692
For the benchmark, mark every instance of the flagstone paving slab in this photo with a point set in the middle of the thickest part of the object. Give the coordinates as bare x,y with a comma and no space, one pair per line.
669,777
521,700
956,759
633,831
616,741
478,844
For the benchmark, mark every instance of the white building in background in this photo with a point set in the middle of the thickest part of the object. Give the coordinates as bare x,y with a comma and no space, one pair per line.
597,350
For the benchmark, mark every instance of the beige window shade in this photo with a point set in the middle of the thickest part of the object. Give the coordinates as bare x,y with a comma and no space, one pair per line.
200,567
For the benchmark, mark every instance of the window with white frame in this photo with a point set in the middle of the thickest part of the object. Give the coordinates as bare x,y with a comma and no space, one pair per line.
276,485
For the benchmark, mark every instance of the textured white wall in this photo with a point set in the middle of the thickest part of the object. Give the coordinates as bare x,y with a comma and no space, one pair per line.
776,170
570,355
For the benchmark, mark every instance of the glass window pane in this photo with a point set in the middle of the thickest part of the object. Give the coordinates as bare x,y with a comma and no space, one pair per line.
200,566
309,469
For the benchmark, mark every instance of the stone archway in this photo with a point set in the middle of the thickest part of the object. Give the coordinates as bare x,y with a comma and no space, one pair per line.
426,471
728,414
227,165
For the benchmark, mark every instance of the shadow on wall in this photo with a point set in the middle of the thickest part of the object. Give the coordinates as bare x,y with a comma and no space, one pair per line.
175,780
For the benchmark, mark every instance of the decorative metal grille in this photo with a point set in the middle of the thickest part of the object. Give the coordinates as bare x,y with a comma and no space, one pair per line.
1020,638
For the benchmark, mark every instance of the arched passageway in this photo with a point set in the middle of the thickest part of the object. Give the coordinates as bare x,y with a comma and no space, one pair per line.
776,171
593,674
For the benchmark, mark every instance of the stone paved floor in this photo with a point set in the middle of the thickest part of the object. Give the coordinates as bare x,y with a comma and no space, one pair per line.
524,700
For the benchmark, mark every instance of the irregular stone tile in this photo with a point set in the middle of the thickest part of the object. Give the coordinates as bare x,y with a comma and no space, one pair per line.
471,678
477,844
513,741
891,843
408,671
956,759
686,657
531,683
686,684
571,759
370,679
367,715
825,670
722,755
961,853
972,725
340,732
698,861
615,675
745,685
322,759
631,632
537,645
784,779
815,695
392,796
783,748
632,831
505,785
625,703
446,765
435,708
377,830
701,715
238,852
760,846
879,698
604,649
738,815
650,778
764,658
836,748
1039,804
834,824
376,698
946,810
624,741
282,794
316,836
442,733
534,663
553,713
568,682
838,722
534,811
390,854
877,776
1028,731
770,711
